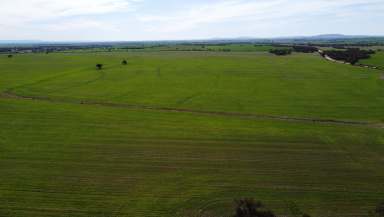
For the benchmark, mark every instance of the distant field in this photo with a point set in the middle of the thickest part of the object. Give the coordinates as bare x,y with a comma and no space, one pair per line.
184,133
375,60
222,48
186,47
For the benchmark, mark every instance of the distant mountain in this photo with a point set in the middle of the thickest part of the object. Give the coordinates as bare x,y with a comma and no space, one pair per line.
324,37
327,38
337,36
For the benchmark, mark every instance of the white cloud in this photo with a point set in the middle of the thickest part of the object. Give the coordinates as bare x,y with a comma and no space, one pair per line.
80,24
185,19
16,12
257,11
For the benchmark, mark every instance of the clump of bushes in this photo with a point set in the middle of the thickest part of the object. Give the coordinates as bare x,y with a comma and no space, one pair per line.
224,50
99,66
10,56
305,49
339,47
351,55
124,62
250,208
281,52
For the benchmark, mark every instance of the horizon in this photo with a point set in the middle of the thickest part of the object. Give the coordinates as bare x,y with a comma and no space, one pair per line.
239,38
170,20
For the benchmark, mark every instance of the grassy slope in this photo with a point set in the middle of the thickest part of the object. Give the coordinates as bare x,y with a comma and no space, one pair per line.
81,160
376,59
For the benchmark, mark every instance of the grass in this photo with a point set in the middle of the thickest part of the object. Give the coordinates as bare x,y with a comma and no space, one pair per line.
299,85
375,60
63,158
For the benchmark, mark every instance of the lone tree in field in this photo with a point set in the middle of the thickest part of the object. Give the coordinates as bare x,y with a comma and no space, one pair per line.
124,62
99,66
251,208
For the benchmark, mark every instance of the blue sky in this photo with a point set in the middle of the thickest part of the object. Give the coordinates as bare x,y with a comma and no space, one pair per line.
108,20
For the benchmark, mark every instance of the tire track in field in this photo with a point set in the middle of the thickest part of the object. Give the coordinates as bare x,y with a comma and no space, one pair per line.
187,99
101,75
49,78
10,95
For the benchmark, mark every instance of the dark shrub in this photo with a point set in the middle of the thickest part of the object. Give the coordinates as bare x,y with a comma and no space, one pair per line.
124,62
10,56
305,49
380,209
251,208
281,52
339,47
99,66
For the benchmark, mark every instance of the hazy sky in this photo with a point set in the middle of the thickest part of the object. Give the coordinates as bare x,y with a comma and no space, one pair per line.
103,20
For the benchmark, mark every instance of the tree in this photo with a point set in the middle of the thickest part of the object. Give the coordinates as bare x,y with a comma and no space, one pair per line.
305,49
99,66
10,56
251,208
124,62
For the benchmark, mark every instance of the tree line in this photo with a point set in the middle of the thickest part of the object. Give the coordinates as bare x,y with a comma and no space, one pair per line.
351,55
305,49
281,52
284,50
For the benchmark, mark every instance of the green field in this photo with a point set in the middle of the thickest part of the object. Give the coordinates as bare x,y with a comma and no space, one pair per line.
185,133
375,60
182,47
